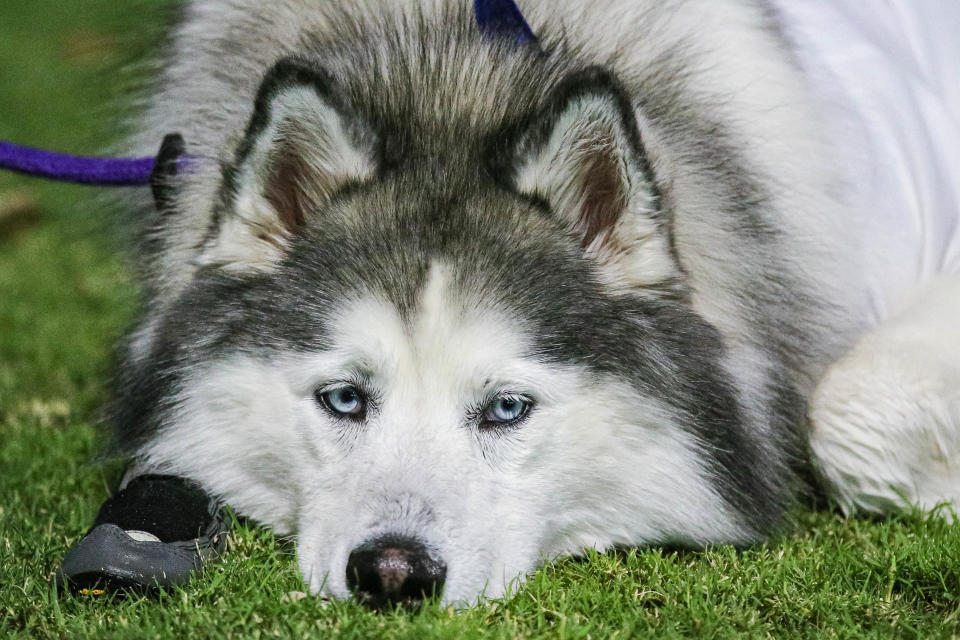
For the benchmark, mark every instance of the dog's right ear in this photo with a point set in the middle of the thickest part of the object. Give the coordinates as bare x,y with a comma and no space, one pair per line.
583,157
301,147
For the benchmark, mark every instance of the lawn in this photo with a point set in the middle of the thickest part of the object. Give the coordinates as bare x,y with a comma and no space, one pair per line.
65,297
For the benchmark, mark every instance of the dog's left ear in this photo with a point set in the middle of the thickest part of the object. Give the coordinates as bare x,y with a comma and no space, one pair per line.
583,156
302,146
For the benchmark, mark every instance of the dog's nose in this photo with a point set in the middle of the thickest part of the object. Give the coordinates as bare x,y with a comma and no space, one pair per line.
393,570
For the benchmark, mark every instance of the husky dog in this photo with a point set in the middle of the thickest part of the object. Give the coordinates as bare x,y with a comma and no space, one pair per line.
445,304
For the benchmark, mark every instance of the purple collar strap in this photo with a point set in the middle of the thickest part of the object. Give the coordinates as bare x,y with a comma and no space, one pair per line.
495,18
503,18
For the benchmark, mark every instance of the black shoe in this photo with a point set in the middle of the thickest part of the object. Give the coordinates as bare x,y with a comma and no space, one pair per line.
152,534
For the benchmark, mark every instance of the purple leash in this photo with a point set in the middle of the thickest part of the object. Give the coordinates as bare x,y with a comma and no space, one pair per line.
117,172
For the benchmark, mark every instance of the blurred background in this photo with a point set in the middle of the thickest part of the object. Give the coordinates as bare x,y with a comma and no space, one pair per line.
67,69
67,73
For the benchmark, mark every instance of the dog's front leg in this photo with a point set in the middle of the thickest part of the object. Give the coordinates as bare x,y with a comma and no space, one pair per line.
886,417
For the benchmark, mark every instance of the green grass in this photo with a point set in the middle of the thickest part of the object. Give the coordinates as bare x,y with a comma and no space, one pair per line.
65,296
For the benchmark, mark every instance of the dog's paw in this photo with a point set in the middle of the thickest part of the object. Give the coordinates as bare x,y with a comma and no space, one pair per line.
885,429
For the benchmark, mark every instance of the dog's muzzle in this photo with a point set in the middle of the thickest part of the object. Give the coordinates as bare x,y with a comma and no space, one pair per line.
392,570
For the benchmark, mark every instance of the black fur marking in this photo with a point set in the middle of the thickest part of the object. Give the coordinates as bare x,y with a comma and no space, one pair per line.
171,149
287,73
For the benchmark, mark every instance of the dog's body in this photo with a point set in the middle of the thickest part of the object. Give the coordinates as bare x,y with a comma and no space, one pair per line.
512,301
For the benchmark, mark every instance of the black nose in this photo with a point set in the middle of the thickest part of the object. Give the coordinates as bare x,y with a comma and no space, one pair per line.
393,570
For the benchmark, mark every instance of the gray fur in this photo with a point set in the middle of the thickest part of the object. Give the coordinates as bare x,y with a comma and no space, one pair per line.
731,343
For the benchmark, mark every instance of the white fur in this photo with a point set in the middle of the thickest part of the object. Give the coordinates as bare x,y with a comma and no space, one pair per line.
886,417
492,506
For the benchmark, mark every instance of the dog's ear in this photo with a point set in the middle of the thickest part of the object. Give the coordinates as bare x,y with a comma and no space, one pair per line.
302,146
583,156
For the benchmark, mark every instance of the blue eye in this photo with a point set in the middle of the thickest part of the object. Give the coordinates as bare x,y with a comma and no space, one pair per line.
343,402
506,409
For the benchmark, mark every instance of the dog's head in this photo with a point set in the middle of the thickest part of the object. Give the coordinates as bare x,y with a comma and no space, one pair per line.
440,369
